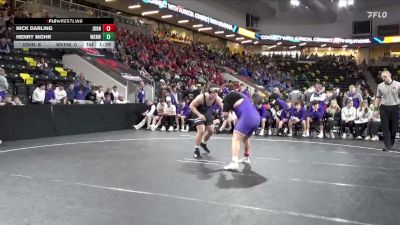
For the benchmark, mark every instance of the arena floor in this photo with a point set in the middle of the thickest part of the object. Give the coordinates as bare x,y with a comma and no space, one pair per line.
145,178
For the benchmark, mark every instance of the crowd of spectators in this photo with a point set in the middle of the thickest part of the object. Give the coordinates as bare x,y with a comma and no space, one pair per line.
79,92
319,111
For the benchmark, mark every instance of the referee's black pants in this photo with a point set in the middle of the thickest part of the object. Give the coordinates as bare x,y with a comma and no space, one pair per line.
390,124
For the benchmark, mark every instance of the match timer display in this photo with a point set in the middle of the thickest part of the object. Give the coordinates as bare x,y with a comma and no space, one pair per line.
64,33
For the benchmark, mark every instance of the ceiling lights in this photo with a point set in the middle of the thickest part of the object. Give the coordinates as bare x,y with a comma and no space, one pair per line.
183,21
240,38
150,12
219,32
273,46
166,16
134,6
279,43
323,45
345,3
295,3
292,47
246,41
197,25
230,35
256,42
302,44
205,28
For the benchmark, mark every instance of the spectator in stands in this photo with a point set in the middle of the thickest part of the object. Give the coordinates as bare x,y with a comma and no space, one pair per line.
159,114
141,93
262,111
91,96
314,115
3,18
115,92
79,82
307,96
349,115
284,118
175,95
182,114
148,115
80,96
121,100
60,93
191,93
4,47
364,114
358,89
99,94
107,99
319,96
8,100
354,96
3,83
39,94
169,115
50,97
109,92
243,89
374,125
333,115
368,97
17,101
298,115
296,96
71,94
43,65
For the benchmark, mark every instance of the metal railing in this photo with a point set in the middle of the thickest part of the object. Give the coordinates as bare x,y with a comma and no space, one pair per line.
18,4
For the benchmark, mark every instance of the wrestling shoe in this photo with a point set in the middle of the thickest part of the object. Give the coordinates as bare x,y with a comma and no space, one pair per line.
233,166
204,146
245,160
196,154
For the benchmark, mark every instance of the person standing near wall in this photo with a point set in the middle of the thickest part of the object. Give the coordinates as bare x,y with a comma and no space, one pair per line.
3,88
387,101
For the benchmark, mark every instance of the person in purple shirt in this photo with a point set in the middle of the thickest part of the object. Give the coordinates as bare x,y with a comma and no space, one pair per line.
243,89
314,115
298,116
262,111
175,96
284,117
81,93
354,96
50,97
182,114
141,94
275,99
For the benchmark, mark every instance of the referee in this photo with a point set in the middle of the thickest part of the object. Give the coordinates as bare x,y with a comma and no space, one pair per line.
388,101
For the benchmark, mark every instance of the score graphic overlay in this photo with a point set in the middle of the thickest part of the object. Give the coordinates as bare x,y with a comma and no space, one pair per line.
64,33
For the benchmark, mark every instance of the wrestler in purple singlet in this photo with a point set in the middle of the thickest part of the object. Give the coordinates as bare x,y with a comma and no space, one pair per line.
248,117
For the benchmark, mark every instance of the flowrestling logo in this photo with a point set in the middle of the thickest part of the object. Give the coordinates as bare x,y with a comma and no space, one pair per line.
379,15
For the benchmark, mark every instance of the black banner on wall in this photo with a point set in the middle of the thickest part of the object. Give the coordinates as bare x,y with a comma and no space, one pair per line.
39,121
